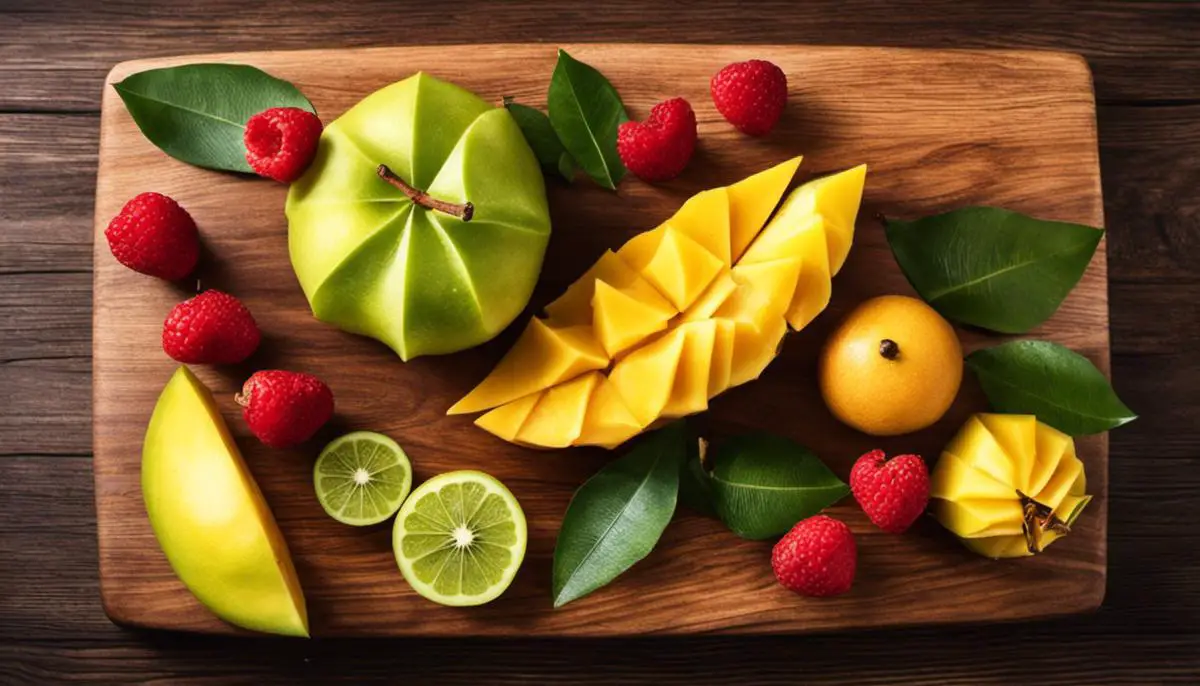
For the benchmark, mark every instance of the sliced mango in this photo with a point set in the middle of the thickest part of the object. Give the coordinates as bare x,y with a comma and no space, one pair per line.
557,418
752,200
506,421
542,357
608,422
574,307
676,315
644,379
689,393
1008,485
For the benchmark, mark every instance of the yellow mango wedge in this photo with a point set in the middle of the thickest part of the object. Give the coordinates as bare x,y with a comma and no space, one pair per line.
676,315
210,518
1008,485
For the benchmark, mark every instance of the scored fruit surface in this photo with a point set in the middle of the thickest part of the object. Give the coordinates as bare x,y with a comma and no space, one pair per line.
675,316
1008,485
422,281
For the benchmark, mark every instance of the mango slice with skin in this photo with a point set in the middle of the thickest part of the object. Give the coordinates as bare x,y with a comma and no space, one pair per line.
1008,485
679,314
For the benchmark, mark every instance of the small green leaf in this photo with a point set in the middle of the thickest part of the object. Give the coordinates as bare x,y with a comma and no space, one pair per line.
585,112
541,137
618,515
992,268
695,485
763,484
1061,387
197,113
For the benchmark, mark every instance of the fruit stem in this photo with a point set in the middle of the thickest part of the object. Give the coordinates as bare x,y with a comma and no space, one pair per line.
463,211
889,349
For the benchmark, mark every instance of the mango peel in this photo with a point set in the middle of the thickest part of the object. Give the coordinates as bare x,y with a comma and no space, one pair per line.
1008,485
677,315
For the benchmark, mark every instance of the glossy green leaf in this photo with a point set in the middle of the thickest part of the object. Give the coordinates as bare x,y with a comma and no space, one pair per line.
585,112
992,268
617,516
763,484
1063,388
540,135
197,113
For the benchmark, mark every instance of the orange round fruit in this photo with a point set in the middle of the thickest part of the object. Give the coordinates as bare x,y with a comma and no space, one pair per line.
893,366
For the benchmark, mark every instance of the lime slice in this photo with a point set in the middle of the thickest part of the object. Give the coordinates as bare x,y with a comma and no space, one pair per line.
361,478
460,538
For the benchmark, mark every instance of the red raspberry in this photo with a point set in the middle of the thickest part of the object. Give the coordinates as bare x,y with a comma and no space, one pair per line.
750,95
211,328
281,142
285,408
892,492
816,558
154,235
660,147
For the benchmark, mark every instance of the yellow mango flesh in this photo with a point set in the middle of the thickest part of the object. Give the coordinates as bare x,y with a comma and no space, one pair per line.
676,315
979,485
689,393
211,519
557,418
506,421
608,421
620,320
542,357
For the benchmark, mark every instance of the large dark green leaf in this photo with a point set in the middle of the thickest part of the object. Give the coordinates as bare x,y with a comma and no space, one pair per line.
197,113
618,515
540,135
990,267
763,484
585,112
1061,387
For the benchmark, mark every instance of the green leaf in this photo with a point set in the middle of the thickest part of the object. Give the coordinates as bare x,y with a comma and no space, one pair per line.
197,113
1061,387
763,484
585,112
695,486
992,268
617,517
541,138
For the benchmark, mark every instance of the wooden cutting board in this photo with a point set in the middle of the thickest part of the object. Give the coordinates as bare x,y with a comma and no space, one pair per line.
939,129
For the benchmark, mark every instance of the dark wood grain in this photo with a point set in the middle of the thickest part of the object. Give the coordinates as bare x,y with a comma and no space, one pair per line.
956,116
1149,127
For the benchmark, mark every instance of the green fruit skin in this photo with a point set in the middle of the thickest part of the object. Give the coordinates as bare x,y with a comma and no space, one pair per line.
211,519
420,281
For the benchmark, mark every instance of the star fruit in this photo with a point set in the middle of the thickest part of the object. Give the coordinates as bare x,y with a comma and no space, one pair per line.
675,316
422,221
1008,485
210,518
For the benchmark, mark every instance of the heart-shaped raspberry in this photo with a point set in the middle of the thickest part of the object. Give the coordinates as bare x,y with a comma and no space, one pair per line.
659,148
892,492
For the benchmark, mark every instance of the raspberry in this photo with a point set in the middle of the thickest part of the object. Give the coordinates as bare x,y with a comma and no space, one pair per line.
211,328
892,492
750,95
660,147
154,235
285,408
816,558
281,142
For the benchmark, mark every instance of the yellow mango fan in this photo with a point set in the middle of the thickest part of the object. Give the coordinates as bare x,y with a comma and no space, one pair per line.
1008,485
675,316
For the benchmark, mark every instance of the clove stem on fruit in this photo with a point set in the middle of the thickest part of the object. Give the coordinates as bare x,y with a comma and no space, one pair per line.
463,211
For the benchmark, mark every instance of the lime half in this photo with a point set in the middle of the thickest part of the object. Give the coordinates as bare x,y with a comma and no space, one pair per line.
460,538
361,478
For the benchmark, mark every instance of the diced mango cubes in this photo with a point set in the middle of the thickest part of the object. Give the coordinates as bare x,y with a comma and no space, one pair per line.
677,315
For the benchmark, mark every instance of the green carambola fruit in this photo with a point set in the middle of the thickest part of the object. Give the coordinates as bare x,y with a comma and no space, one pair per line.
424,281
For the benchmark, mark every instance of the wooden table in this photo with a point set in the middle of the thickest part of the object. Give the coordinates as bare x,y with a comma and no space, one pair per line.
1145,57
